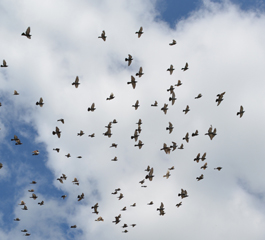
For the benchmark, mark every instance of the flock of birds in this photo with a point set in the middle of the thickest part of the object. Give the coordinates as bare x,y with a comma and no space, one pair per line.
150,171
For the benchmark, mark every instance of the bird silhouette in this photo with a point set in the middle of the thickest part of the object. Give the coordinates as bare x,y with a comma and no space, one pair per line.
92,108
129,59
171,69
140,73
4,64
27,33
103,36
76,82
140,32
173,43
241,112
133,82
186,67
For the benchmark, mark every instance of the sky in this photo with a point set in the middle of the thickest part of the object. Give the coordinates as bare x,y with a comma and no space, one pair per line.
223,44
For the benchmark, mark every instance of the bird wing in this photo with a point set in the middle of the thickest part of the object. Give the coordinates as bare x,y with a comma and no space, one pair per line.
28,31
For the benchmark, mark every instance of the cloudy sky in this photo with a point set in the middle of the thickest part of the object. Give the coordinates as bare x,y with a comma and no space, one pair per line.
222,41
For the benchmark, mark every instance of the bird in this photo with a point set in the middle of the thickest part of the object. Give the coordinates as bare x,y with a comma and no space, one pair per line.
133,82
79,157
129,59
41,203
60,180
144,186
114,121
76,82
147,168
181,146
133,205
218,168
27,234
111,97
196,133
16,219
24,230
34,196
165,108
108,133
167,175
15,92
161,209
117,219
68,155
142,181
139,129
241,112
199,96
95,207
33,182
140,73
114,145
63,176
57,132
18,142
121,196
166,148
92,135
200,177
212,134
124,209
204,166
140,144
117,189
80,197
187,109
179,83
171,69
203,156
22,203
173,43
154,105
64,196
103,36
75,181
15,138
81,133
139,122
171,88
74,226
133,225
109,125
124,225
170,127
173,98
183,193
125,231
136,105
99,219
219,98
197,159
115,159
56,149
36,152
40,102
4,64
172,168
92,108
179,204
1,165
150,175
186,137
150,203
174,146
27,33
135,136
31,190
140,32
186,67
115,192
61,120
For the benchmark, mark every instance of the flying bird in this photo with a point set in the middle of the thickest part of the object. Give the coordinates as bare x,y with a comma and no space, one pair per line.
154,105
124,209
135,136
117,219
56,149
203,156
187,109
167,175
173,98
99,219
183,193
61,120
27,33
197,159
36,152
80,197
41,203
103,36
140,144
170,127
140,32
15,92
68,155
74,226
129,59
121,196
196,133
150,203
179,204
200,177
114,145
34,196
241,112
186,67
186,137
136,105
161,209
220,98
165,108
218,168
92,108
166,148
115,159
204,166
199,96
40,102
81,133
133,82
4,64
179,83
57,132
92,135
111,97
171,69
150,175
76,82
140,73
173,43
64,196
95,207
174,146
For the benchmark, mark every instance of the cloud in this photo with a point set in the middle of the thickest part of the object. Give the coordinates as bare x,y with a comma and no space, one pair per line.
224,48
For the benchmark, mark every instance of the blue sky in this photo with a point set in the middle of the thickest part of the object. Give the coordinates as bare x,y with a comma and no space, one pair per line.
66,45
